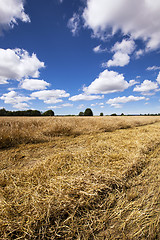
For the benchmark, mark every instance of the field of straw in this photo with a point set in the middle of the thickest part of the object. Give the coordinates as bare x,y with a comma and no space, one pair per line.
84,178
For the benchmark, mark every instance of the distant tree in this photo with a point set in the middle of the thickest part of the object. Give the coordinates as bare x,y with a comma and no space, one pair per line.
88,112
28,113
35,113
113,114
122,114
48,113
3,112
9,113
101,114
81,114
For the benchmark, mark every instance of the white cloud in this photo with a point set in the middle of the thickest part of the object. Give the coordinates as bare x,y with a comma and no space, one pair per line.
16,64
99,49
81,106
107,82
153,68
146,87
21,106
158,78
97,104
116,105
122,51
116,102
126,46
11,89
50,96
132,82
34,84
55,107
74,24
119,59
16,100
10,12
139,19
3,80
67,105
85,97
139,53
62,105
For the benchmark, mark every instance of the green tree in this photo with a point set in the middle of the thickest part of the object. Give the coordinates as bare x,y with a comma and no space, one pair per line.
81,114
113,114
35,113
3,112
88,112
101,114
48,113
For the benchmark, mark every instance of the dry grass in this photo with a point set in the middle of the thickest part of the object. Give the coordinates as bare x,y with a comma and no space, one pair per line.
18,130
101,184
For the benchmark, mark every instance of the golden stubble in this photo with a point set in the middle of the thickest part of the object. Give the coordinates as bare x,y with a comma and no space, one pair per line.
80,178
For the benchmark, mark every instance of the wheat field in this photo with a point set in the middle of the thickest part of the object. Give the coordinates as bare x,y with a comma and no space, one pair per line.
80,178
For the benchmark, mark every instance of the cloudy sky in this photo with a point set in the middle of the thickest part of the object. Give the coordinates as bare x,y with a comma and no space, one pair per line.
69,55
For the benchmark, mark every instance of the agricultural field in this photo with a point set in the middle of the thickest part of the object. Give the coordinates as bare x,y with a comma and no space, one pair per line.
83,178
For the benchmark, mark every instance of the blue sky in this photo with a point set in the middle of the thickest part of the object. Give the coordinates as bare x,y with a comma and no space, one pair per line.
70,55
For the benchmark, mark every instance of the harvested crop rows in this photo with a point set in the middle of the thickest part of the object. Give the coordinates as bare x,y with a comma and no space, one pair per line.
98,183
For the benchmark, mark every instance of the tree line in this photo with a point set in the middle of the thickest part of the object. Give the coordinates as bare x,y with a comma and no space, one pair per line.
34,113
26,113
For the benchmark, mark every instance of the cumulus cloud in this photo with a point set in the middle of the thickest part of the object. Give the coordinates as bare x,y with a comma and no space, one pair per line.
107,82
119,59
99,49
74,24
116,105
3,80
85,97
34,84
139,53
146,87
126,46
158,78
50,96
21,106
16,64
139,19
132,82
116,102
62,106
16,100
10,12
153,68
122,51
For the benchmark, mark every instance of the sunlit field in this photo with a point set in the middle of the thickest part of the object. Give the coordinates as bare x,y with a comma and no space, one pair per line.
80,178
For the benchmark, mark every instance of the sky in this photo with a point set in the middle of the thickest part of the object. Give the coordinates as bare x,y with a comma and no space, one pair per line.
69,55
